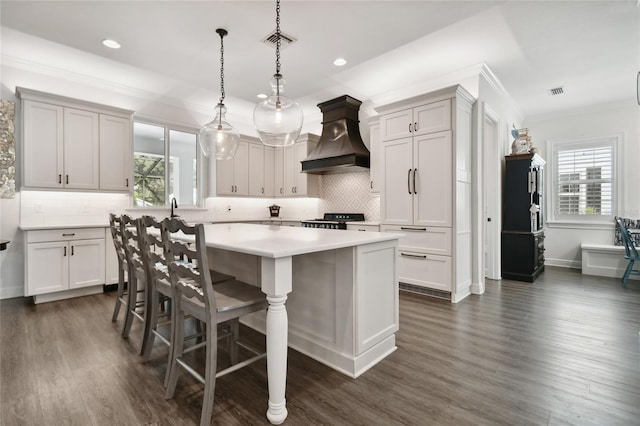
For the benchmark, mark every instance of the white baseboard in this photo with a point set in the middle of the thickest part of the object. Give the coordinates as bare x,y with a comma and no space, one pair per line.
563,263
11,292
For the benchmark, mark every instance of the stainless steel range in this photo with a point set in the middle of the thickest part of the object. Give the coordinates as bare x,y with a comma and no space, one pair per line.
333,220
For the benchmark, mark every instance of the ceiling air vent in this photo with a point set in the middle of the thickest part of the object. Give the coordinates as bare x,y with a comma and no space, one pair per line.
556,91
285,39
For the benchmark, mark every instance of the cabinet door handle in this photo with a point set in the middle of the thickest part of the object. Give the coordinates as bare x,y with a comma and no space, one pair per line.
409,127
281,191
262,189
371,184
409,181
59,178
127,180
69,235
414,181
363,230
414,255
64,251
71,250
67,180
415,126
404,228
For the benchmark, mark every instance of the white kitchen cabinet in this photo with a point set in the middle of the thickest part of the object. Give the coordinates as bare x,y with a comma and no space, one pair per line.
425,270
63,146
269,171
81,149
278,172
416,190
256,170
64,263
374,157
425,189
111,259
420,120
294,182
363,228
42,145
116,153
232,176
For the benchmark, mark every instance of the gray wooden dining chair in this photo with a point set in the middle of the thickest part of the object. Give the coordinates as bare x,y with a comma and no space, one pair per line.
194,294
136,274
159,283
122,295
631,253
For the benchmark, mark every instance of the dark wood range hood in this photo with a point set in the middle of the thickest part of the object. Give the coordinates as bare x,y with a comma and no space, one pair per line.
340,148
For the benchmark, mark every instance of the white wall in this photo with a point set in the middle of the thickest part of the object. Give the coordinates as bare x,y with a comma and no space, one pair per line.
488,164
563,243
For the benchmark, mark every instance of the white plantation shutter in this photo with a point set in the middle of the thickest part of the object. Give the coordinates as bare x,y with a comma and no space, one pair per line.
584,178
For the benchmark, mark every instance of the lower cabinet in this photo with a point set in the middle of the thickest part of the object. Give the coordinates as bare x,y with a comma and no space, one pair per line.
64,263
425,270
111,259
522,255
424,256
363,228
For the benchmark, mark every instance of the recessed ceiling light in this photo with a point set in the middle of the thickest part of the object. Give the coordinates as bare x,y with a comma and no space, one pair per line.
340,62
112,44
262,96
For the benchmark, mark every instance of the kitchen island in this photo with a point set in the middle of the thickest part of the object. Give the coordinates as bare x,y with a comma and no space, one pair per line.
333,295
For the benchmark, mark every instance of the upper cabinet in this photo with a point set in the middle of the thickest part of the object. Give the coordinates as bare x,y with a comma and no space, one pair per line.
115,153
421,120
289,181
256,170
374,150
232,176
72,144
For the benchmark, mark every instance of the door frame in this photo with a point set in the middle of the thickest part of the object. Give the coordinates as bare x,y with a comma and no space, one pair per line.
491,192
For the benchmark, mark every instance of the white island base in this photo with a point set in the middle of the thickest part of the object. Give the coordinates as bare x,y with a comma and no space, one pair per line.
343,307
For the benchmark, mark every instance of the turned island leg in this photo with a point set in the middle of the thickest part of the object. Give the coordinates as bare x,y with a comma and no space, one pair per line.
276,284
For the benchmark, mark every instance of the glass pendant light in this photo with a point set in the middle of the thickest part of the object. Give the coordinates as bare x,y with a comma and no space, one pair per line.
278,119
218,136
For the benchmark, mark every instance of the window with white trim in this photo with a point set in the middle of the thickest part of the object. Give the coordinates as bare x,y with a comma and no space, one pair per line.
165,165
584,176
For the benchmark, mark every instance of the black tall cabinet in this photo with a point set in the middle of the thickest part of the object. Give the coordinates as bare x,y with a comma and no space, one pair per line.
523,217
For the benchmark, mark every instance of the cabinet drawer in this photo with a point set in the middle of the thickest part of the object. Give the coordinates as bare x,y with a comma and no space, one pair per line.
66,234
369,228
425,270
431,239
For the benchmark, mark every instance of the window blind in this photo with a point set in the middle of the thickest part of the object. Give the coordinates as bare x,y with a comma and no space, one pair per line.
584,181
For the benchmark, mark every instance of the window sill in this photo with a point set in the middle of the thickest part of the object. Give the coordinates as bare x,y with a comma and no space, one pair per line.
606,225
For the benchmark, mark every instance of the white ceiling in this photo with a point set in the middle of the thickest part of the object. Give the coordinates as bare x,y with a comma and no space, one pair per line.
591,48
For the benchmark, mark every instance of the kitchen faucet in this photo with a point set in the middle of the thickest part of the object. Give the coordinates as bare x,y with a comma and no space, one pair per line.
174,205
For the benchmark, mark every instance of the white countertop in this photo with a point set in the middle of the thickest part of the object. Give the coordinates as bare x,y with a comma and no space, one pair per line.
63,226
278,241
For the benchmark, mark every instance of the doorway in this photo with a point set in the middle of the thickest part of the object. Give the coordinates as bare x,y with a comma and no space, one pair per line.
491,192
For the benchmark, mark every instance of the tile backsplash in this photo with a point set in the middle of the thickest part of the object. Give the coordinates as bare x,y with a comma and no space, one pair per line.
61,208
349,193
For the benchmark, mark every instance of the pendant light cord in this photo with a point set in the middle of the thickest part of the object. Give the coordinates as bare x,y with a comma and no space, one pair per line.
222,94
278,76
277,36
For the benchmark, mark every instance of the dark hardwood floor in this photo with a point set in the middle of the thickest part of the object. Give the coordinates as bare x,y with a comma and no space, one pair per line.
561,351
